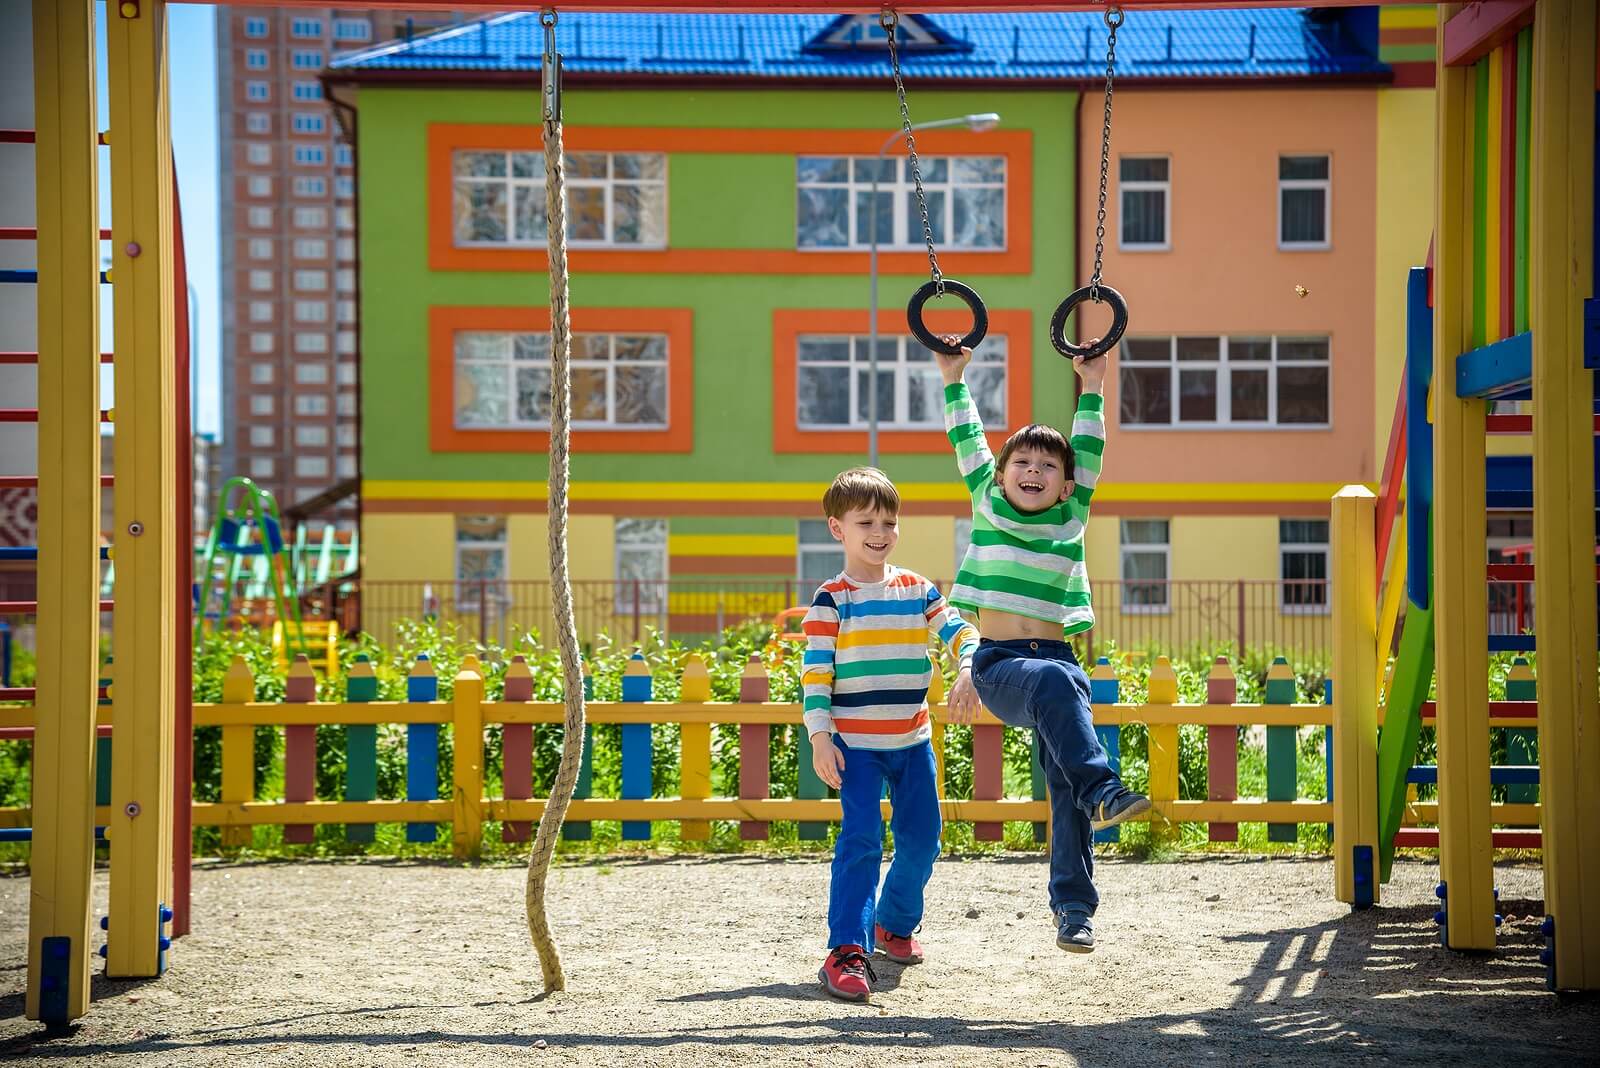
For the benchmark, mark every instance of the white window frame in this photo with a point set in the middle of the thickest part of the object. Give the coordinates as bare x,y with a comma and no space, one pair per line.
512,183
467,590
352,29
257,59
310,156
1127,549
311,248
509,365
261,467
258,154
260,248
261,281
307,59
1224,371
311,343
652,592
1163,187
305,29
304,90
308,122
311,280
902,367
1324,184
1305,548
310,185
258,91
311,218
261,311
344,156
261,404
255,28
310,311
311,405
303,462
263,437
262,374
804,547
344,186
262,343
258,185
311,436
906,235
344,466
258,122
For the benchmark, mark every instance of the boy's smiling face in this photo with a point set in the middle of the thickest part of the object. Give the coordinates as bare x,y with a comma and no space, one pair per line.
869,536
1035,479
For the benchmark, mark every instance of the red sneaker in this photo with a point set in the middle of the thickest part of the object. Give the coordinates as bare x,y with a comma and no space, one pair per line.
844,974
905,950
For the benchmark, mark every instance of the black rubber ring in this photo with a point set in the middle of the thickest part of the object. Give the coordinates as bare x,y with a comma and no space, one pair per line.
1119,324
936,342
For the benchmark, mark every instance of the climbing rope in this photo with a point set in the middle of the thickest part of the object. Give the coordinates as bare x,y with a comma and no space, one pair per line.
555,810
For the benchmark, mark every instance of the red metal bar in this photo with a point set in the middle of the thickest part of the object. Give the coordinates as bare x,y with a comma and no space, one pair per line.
183,659
1497,709
30,481
1508,183
1518,572
28,608
1394,466
33,357
1480,28
1518,424
31,233
31,415
25,137
29,693
25,734
1503,838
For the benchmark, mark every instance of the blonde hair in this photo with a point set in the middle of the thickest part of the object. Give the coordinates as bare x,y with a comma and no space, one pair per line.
860,487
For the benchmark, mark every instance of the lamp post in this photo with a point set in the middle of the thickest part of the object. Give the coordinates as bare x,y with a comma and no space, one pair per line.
978,123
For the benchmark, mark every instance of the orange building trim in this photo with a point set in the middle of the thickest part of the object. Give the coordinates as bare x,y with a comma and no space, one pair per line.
444,322
444,139
789,324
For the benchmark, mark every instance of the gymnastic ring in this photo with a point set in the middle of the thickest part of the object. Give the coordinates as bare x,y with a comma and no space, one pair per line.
1119,324
936,342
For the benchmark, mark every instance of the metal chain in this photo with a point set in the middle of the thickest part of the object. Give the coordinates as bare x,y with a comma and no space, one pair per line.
1113,20
889,20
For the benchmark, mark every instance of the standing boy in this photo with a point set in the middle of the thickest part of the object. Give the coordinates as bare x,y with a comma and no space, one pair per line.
866,677
1025,575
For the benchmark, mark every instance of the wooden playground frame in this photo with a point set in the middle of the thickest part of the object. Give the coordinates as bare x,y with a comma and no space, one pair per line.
147,821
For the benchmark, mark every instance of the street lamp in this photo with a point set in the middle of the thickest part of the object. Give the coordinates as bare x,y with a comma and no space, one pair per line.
979,123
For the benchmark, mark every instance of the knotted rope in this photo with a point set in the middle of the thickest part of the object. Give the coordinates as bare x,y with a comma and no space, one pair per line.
544,843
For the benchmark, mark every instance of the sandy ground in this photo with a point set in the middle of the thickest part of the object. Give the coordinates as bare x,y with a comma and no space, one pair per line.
712,962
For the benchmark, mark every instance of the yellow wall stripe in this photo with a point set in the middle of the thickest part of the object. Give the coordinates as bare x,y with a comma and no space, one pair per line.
428,490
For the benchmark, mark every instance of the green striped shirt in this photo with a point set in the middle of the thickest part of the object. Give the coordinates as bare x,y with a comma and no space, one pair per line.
1028,563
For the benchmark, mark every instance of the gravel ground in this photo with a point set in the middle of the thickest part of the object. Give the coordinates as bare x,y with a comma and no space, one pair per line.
675,961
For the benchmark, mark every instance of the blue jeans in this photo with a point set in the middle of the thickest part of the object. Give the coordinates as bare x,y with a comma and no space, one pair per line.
854,900
1039,684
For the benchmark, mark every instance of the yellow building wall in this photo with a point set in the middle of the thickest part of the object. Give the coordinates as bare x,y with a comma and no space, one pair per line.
1224,547
591,548
528,538
927,546
1404,221
408,548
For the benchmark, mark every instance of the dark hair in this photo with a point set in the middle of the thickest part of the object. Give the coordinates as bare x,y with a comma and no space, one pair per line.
860,487
1037,436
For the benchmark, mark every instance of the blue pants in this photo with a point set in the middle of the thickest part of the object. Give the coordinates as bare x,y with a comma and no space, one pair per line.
1039,684
854,900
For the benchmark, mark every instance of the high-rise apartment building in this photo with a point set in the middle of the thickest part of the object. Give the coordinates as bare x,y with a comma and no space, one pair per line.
289,270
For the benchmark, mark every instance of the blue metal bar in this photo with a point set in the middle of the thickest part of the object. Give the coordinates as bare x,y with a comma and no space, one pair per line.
1496,367
1499,775
1419,438
32,278
31,552
1511,643
25,834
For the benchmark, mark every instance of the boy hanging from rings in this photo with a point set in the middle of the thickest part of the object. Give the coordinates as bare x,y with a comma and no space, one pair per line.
1025,576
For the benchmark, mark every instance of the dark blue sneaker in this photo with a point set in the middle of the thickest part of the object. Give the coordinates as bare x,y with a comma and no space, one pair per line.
1118,808
1074,930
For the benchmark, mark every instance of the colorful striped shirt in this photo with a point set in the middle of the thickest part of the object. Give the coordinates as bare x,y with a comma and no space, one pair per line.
1030,564
867,669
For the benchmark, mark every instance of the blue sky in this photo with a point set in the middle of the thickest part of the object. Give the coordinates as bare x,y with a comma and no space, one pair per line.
193,74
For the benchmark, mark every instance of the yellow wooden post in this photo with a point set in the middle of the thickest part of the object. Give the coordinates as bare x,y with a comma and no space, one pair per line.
1163,754
1561,269
62,859
1460,547
146,549
238,750
466,829
1355,718
694,749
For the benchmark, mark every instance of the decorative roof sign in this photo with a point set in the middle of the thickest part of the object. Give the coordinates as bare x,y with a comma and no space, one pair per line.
864,33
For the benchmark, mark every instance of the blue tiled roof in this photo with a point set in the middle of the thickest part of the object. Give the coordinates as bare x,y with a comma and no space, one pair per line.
1264,43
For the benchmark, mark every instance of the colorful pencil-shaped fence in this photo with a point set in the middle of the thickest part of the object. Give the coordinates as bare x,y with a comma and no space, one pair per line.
752,808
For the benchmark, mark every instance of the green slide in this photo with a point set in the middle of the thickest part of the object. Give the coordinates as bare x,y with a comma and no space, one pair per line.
1397,741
